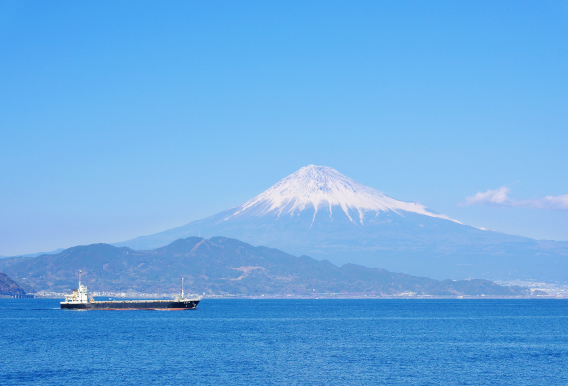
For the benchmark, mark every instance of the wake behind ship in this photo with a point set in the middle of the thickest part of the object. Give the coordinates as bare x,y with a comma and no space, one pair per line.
79,300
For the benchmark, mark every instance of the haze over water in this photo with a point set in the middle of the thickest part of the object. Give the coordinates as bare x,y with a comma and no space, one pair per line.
259,342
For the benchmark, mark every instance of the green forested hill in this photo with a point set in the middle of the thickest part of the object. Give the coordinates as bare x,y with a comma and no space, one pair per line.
9,286
222,266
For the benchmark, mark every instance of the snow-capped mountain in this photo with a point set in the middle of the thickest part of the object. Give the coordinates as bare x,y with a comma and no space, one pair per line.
323,188
319,212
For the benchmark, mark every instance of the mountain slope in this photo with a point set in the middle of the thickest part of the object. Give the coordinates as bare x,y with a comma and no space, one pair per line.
318,187
9,286
320,212
221,265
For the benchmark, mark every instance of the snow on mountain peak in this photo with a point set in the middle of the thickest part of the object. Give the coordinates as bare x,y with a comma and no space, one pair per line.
322,187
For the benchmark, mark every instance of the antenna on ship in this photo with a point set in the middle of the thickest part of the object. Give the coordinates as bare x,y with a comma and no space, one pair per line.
79,278
182,287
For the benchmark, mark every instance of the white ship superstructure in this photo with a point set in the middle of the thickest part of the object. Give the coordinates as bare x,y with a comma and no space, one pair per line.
79,295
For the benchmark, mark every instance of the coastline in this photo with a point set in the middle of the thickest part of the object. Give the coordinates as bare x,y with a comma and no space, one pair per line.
314,297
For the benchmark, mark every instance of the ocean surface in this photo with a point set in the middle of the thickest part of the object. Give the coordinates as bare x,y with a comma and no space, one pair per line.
288,342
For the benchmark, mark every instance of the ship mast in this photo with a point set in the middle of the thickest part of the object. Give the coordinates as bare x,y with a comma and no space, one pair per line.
182,287
79,278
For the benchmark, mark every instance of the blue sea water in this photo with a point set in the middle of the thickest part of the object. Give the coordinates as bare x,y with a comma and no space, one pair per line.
302,342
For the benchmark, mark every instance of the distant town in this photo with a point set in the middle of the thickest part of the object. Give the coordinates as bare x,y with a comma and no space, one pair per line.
537,289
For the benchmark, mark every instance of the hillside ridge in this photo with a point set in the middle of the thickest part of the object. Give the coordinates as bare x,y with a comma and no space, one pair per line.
224,266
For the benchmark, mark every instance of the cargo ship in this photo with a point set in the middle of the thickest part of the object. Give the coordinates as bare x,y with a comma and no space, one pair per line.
79,300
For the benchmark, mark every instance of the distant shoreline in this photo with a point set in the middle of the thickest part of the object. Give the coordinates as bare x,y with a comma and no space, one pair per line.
321,297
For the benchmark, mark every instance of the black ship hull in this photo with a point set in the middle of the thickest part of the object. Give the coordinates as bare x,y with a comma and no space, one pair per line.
170,305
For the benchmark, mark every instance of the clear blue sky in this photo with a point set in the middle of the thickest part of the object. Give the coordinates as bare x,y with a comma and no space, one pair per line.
123,119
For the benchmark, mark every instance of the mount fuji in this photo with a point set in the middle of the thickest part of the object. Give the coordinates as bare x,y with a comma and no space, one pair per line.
319,212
